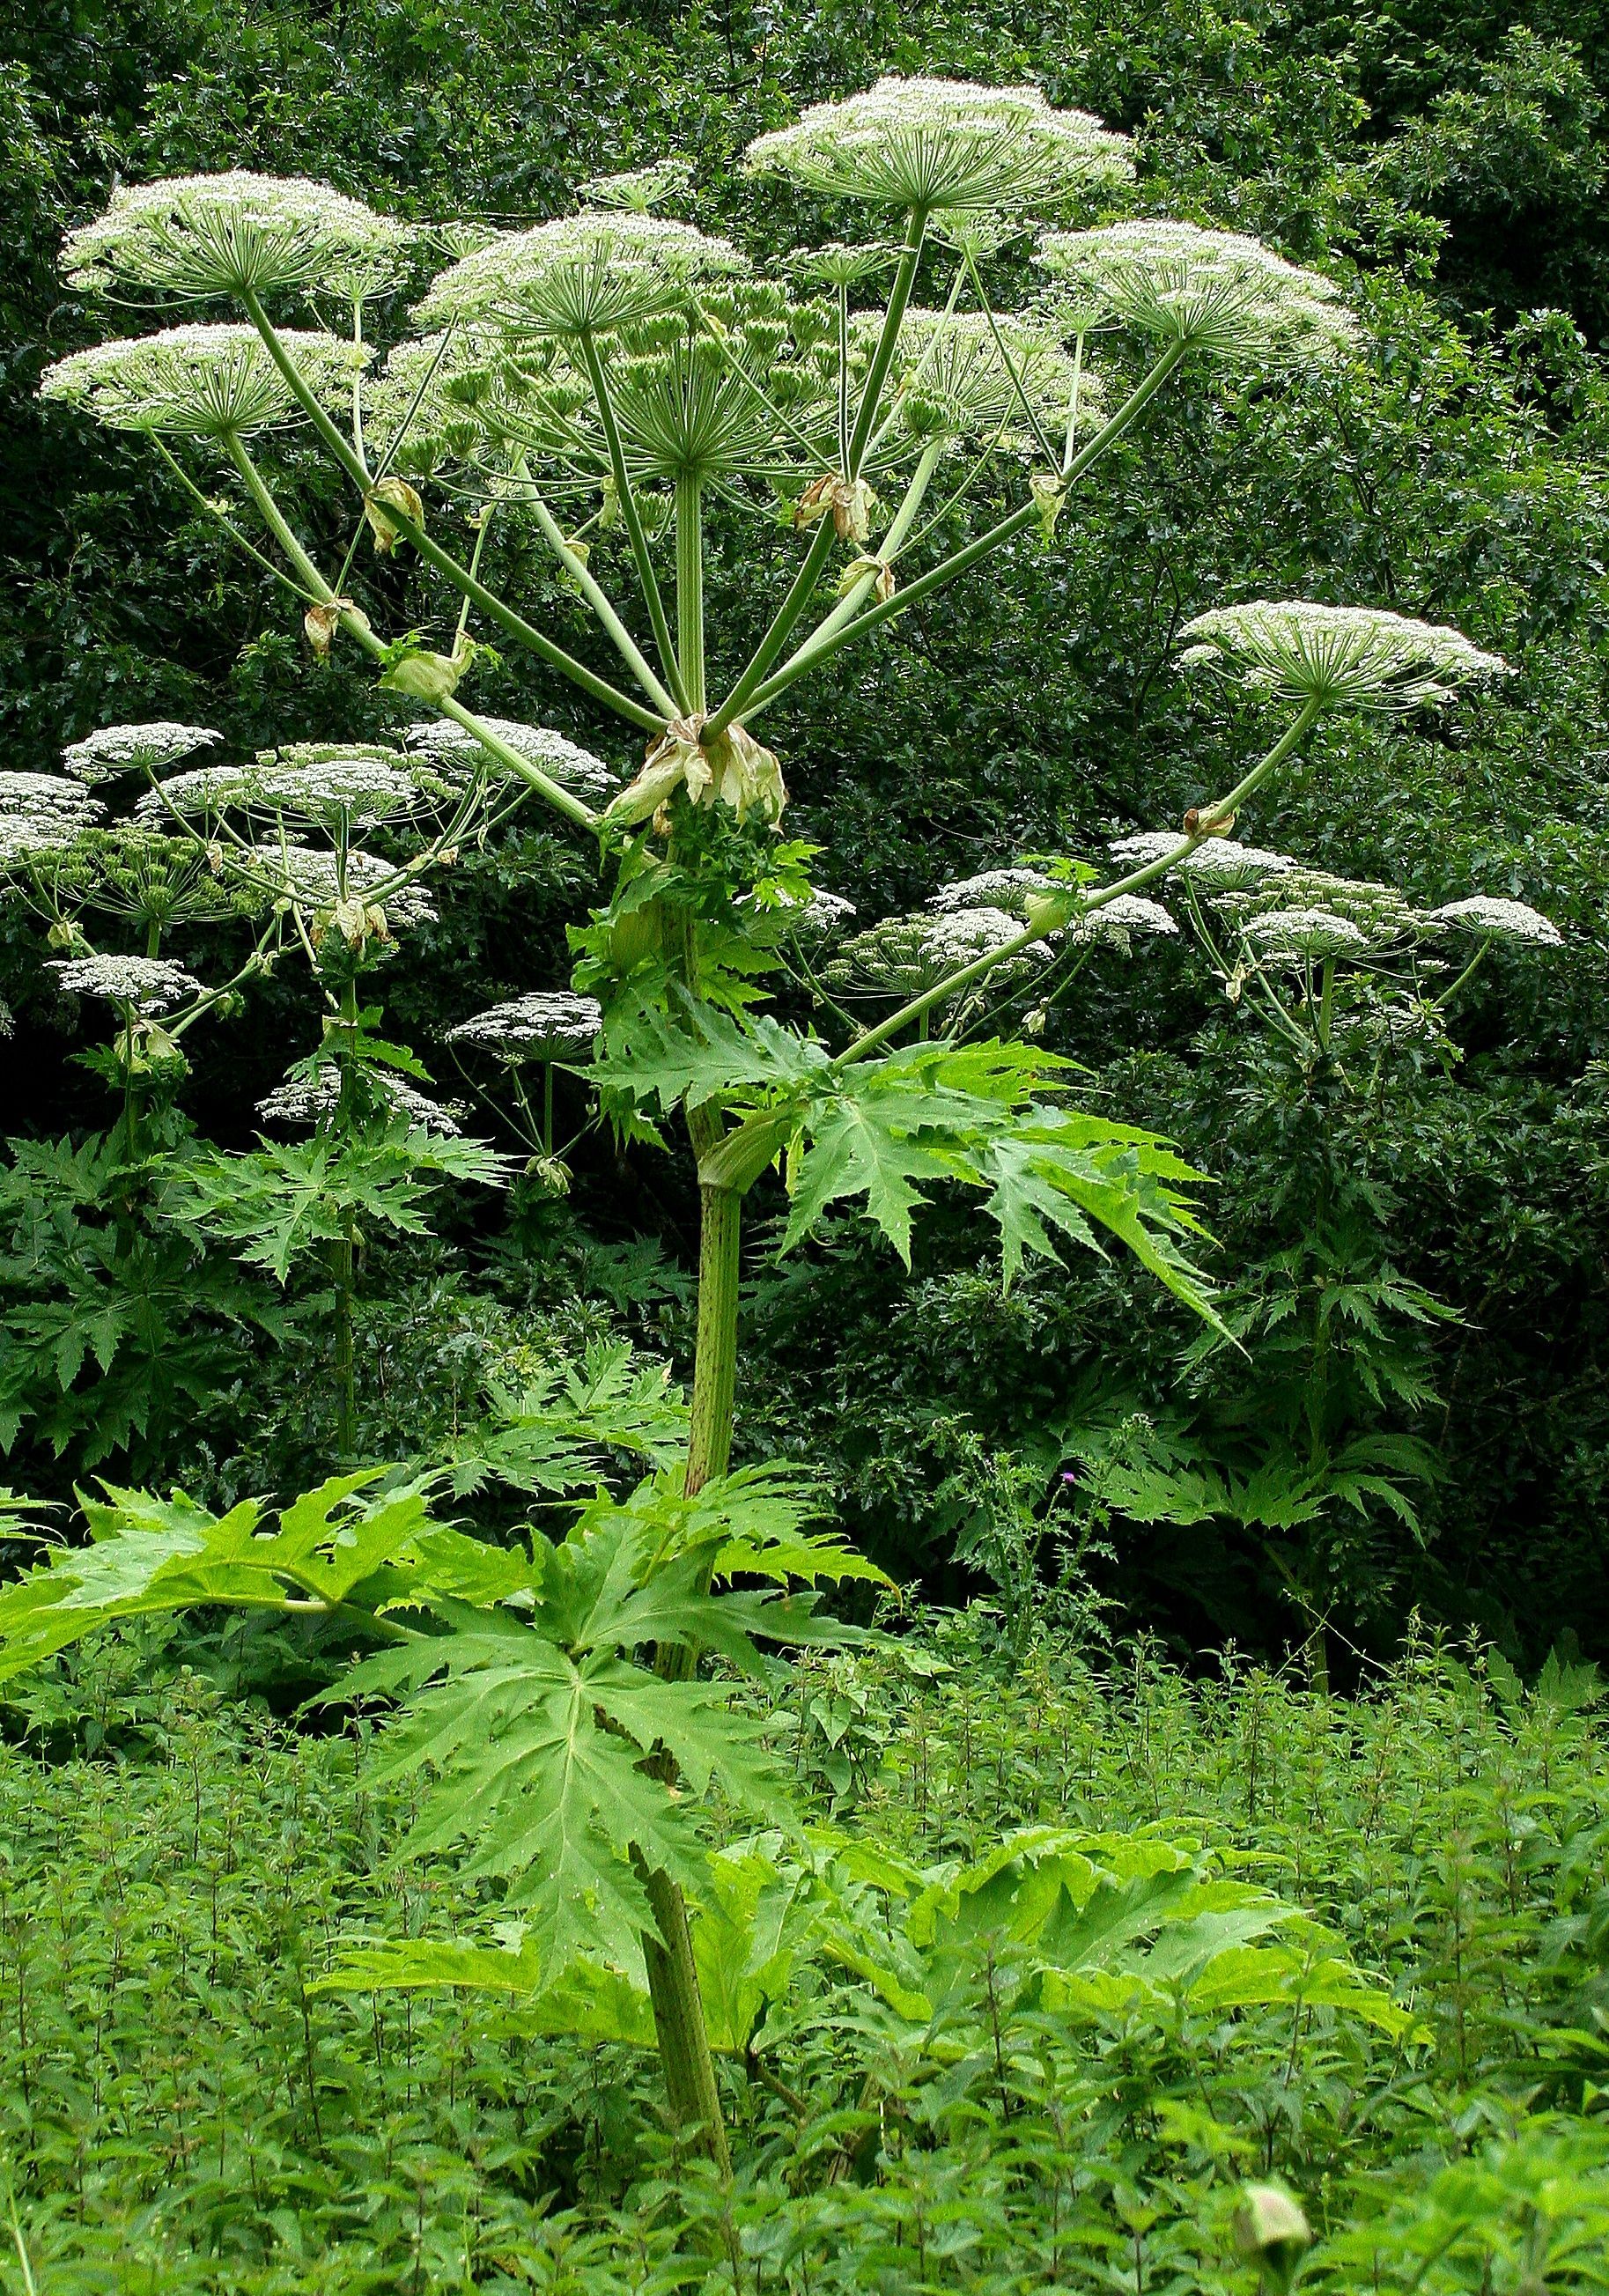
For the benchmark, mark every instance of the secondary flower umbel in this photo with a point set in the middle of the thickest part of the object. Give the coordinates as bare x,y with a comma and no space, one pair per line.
1351,657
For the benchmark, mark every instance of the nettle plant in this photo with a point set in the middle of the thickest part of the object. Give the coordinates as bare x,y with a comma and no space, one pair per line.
636,393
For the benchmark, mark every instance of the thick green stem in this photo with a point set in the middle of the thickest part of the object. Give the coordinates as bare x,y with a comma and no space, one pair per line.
782,628
592,590
715,1359
679,2009
344,1256
444,562
632,514
690,586
893,541
888,341
1015,522
801,590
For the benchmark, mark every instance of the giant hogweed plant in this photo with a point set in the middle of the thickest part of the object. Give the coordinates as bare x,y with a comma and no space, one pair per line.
607,380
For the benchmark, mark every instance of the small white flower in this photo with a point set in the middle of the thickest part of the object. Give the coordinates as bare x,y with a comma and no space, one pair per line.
204,789
639,190
26,838
150,983
1354,657
199,236
565,759
1500,920
113,749
962,934
1218,291
303,1101
337,787
1305,932
953,377
548,1024
817,918
943,144
203,382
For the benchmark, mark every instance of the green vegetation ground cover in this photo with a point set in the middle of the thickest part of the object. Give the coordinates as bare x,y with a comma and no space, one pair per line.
179,2112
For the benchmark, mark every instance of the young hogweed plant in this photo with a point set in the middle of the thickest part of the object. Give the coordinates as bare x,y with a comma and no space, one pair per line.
607,380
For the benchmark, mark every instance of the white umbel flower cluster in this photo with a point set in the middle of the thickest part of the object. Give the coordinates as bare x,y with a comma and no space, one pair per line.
47,798
1500,920
577,274
943,144
316,878
203,382
1119,918
113,749
557,755
1341,657
302,1100
1001,889
337,788
1304,932
29,838
548,1024
234,233
1219,865
817,919
151,984
1218,290
960,935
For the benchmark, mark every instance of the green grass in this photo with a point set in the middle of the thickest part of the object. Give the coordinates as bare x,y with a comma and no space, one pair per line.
178,2114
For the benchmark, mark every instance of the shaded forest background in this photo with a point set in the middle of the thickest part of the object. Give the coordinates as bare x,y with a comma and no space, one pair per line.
1450,165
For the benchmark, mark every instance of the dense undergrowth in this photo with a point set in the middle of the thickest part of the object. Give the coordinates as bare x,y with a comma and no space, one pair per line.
181,2112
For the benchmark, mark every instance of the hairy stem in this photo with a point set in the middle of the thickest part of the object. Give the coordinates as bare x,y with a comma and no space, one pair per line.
632,514
888,341
690,586
356,626
581,574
